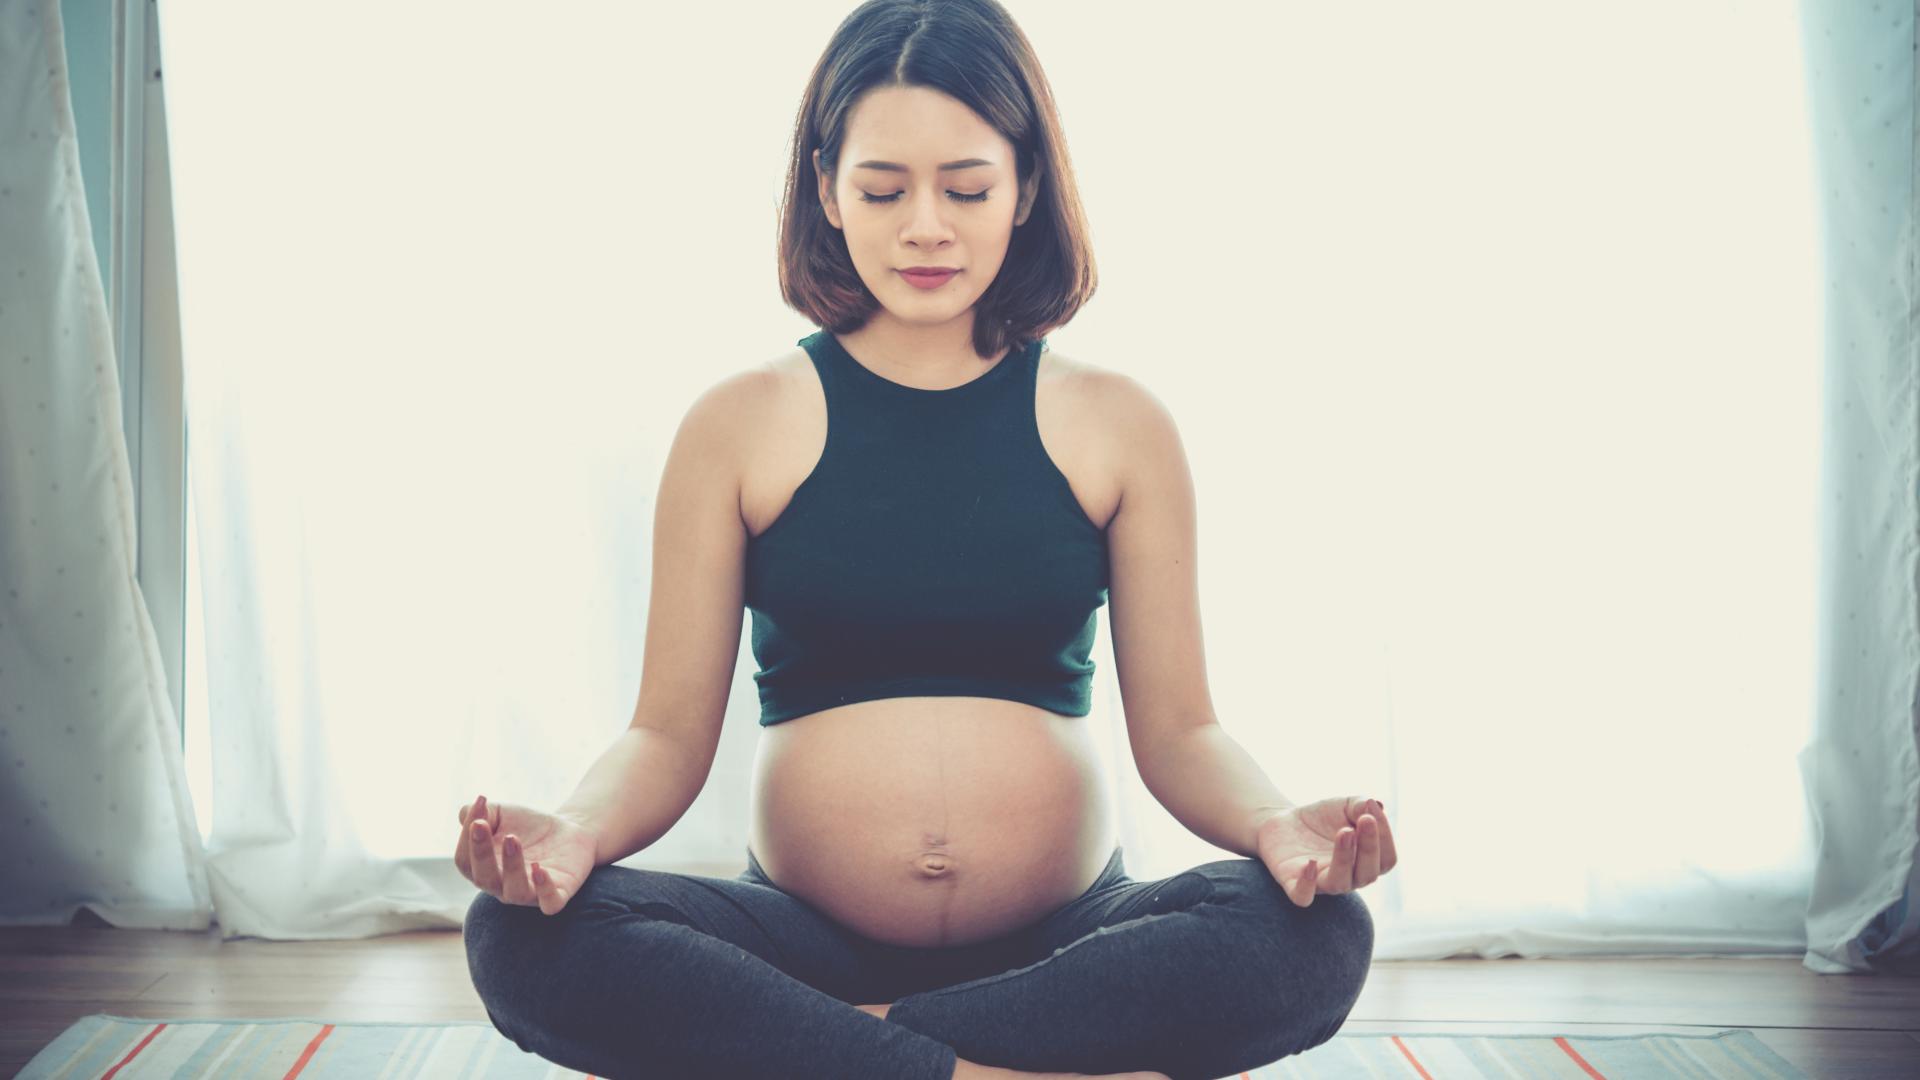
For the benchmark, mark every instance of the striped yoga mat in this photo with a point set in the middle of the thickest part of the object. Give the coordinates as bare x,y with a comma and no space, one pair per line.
102,1046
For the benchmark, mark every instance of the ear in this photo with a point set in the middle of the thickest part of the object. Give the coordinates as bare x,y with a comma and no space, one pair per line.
825,183
1029,192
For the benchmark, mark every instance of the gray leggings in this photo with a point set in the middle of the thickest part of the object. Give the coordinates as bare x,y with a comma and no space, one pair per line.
647,973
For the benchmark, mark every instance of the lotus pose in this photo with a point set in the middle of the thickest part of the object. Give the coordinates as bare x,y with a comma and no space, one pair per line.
922,508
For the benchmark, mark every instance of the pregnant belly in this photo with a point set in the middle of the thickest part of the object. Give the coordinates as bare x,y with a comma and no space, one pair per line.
931,821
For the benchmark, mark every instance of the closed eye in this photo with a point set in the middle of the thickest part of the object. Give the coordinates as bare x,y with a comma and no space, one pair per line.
957,195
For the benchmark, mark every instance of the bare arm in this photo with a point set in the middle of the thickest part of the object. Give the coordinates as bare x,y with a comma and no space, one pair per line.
642,784
635,792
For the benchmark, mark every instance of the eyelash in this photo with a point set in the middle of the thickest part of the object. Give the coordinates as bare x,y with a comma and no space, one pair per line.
958,197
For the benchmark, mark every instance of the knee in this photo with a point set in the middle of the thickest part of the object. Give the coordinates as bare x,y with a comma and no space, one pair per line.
1344,955
486,932
1331,945
1334,932
502,949
1312,962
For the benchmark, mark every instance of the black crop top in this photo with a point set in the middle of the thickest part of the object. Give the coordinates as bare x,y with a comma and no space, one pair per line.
935,549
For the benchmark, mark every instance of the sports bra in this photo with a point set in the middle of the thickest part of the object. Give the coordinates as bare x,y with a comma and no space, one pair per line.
935,549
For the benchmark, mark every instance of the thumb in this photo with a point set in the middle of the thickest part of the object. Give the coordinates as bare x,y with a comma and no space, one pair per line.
551,896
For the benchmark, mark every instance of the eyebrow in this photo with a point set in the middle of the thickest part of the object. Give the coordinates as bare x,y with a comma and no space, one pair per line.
892,166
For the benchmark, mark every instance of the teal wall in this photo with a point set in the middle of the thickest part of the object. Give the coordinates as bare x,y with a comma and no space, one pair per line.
89,32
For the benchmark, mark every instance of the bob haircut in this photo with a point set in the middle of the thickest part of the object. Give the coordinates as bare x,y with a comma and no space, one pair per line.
972,51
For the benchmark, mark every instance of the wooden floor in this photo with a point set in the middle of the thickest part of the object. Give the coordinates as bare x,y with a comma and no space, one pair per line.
1831,1026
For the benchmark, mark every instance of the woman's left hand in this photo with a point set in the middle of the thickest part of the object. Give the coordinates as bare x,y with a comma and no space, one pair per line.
1332,846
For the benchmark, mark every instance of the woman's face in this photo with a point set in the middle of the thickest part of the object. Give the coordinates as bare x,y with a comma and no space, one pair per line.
899,209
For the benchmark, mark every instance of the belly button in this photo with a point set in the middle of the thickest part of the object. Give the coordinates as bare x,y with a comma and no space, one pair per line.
932,865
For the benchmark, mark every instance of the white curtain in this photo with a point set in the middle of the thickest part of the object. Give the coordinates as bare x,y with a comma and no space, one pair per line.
1494,332
1861,771
94,805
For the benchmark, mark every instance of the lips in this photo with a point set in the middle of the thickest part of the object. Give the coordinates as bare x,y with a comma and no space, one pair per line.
921,279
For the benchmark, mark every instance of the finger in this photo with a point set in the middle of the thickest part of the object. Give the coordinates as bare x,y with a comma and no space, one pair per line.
551,901
1388,856
1366,867
514,885
1339,873
486,866
1306,885
460,860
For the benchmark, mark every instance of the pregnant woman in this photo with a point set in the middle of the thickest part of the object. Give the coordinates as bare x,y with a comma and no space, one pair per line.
923,507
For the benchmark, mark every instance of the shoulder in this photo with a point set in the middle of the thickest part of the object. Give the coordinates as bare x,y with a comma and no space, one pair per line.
1131,423
1100,389
724,416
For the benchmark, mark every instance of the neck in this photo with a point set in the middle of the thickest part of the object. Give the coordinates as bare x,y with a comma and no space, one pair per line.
940,355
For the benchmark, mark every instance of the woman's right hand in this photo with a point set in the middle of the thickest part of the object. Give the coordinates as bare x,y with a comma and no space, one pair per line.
540,859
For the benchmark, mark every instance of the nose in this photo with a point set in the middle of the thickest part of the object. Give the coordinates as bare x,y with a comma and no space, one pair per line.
926,225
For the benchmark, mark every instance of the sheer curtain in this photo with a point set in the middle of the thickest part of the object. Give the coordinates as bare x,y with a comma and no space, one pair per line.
1861,771
1494,332
93,796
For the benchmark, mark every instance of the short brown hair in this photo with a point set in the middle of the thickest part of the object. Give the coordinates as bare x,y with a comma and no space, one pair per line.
973,51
